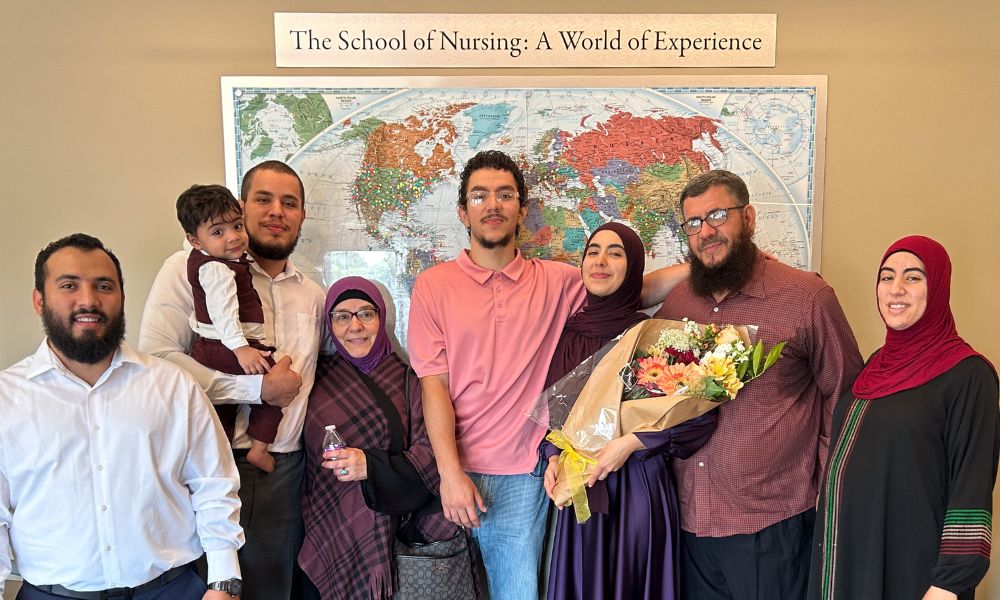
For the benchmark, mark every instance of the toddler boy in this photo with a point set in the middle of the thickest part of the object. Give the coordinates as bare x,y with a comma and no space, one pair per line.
228,318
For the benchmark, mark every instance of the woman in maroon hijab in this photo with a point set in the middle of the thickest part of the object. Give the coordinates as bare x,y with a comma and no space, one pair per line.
906,507
627,550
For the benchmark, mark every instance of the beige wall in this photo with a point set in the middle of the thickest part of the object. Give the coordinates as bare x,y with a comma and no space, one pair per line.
108,110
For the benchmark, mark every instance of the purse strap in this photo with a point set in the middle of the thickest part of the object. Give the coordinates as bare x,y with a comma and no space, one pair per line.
397,437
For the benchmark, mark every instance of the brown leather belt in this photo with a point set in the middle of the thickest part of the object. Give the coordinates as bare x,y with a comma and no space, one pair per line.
122,593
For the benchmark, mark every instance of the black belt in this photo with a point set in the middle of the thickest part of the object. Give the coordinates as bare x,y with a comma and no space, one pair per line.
122,593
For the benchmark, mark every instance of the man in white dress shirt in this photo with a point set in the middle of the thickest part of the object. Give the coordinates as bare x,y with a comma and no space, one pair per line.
114,471
273,200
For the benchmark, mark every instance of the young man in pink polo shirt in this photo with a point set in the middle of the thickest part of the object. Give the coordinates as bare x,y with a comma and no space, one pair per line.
482,331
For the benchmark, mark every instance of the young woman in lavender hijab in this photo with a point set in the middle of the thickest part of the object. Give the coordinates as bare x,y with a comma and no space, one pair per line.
347,553
628,548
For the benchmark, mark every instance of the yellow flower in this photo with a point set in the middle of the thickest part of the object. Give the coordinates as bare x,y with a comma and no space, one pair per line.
732,385
719,367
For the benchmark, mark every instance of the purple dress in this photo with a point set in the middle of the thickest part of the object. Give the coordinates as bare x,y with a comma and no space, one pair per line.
630,552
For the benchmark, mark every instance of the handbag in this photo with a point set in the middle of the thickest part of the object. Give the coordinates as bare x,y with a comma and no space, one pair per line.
434,571
441,570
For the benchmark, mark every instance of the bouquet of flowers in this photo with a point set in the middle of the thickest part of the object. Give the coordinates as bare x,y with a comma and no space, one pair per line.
705,361
659,374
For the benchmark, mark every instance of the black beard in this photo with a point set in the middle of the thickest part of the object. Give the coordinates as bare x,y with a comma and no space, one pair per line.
89,349
504,241
732,274
491,244
273,252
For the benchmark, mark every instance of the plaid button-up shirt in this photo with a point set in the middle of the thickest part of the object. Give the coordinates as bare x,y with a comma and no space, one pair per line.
766,458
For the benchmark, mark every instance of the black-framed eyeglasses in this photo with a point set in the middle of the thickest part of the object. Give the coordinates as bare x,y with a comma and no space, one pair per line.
715,218
342,318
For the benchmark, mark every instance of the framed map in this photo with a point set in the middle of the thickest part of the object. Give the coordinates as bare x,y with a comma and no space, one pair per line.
380,159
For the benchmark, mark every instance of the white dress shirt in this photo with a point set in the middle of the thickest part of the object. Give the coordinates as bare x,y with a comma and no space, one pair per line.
293,307
112,485
222,303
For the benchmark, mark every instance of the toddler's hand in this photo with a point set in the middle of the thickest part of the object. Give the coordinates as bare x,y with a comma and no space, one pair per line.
253,361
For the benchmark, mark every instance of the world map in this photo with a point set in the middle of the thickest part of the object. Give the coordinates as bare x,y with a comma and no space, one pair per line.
381,165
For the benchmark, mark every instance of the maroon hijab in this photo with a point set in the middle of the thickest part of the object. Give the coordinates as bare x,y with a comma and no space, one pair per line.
602,318
913,356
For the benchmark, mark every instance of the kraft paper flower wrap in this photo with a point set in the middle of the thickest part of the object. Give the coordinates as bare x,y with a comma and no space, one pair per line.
658,374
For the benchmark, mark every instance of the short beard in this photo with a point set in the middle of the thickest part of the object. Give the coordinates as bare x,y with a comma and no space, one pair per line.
89,349
503,242
273,252
732,274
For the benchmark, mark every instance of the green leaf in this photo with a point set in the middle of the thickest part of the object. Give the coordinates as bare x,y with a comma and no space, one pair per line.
773,355
713,389
758,355
742,369
636,393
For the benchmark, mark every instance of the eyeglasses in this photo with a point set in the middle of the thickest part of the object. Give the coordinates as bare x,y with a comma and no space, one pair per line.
342,318
715,218
479,196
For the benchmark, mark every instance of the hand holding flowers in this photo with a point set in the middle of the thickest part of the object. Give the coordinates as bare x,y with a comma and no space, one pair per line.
660,374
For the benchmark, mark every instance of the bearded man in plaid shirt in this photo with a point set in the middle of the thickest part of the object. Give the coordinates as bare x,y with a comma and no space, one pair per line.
748,497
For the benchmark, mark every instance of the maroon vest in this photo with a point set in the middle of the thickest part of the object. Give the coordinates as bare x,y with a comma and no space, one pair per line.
251,310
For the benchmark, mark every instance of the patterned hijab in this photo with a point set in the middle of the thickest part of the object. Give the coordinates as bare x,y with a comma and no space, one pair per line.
603,317
913,356
382,347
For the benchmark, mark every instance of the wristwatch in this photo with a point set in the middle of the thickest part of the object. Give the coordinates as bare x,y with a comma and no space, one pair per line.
233,586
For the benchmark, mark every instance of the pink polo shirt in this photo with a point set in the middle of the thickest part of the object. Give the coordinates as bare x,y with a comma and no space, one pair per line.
493,333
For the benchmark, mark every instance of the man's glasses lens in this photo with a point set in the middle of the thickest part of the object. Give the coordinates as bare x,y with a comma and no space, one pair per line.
477,198
715,219
343,317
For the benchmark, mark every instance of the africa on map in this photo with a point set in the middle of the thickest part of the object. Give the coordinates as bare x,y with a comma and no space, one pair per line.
380,159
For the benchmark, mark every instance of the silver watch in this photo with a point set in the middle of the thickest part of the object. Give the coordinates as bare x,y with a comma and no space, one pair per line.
233,586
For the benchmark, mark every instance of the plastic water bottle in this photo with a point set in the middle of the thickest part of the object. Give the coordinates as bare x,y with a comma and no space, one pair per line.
332,439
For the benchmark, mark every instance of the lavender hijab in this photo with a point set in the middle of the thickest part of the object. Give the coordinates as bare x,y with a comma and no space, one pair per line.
382,347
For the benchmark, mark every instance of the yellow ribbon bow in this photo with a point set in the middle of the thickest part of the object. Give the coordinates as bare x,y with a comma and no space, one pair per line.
573,464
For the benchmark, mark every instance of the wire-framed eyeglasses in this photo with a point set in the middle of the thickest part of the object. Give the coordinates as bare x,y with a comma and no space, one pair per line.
477,197
715,218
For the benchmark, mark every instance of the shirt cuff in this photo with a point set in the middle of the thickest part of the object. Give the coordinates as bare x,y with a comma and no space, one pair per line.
235,342
253,385
222,565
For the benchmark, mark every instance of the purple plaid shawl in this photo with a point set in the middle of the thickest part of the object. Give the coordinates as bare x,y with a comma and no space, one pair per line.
347,552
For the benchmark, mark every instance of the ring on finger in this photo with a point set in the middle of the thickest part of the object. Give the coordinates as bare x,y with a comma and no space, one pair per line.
344,471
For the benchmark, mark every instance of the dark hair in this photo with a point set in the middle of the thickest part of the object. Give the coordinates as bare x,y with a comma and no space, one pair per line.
80,241
731,181
201,203
492,159
270,165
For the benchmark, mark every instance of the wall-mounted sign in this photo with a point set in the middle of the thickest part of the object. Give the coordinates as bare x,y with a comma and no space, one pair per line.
523,40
